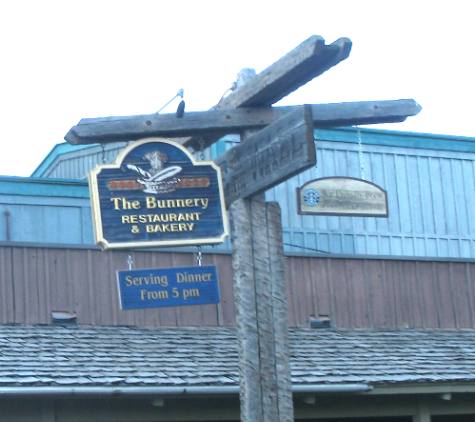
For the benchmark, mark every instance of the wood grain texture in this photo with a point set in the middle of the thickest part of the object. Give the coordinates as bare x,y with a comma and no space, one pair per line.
264,280
262,397
211,122
246,310
308,60
302,64
210,125
269,156
7,286
279,311
355,293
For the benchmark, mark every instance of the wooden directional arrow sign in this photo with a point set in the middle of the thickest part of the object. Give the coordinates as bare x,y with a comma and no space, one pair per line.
273,154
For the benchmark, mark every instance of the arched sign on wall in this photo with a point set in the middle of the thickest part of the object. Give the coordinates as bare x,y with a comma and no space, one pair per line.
345,196
157,195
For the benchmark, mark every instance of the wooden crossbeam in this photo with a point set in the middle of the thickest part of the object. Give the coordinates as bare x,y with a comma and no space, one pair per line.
216,123
302,64
305,62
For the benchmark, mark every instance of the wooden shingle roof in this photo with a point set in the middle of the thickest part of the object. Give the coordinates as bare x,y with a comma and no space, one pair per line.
51,355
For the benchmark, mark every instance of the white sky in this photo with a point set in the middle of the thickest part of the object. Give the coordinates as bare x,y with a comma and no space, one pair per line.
65,60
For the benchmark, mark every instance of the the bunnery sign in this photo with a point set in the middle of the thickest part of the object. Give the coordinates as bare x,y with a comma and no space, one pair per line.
157,195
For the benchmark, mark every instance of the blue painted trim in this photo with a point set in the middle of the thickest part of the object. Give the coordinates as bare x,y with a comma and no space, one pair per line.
58,150
397,139
29,186
192,250
344,134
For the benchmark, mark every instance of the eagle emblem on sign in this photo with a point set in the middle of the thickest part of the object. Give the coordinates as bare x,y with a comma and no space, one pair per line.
158,178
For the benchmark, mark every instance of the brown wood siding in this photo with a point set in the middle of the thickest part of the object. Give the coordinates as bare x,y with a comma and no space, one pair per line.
354,293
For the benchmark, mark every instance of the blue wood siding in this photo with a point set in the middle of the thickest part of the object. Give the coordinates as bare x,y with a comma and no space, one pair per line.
48,211
430,181
430,198
74,162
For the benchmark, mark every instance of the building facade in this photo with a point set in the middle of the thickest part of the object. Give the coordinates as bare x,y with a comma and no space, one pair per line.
429,180
381,310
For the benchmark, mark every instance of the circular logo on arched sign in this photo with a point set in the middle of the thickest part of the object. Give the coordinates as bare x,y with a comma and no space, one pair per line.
342,196
311,197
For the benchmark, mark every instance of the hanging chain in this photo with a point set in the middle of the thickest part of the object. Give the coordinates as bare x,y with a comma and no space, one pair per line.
130,262
103,154
202,150
360,153
199,257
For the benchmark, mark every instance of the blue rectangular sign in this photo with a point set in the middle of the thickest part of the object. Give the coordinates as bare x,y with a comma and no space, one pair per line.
156,288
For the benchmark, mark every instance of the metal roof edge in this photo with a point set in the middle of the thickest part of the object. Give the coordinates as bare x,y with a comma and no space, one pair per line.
208,390
369,136
384,137
333,255
37,186
56,151
192,249
119,391
423,388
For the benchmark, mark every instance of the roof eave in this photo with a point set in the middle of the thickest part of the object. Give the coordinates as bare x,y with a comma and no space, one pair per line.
428,387
144,391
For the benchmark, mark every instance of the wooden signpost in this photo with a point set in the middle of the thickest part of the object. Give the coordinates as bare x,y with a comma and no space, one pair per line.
264,159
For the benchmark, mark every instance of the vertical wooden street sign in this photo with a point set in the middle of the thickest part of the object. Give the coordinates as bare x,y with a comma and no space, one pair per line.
261,306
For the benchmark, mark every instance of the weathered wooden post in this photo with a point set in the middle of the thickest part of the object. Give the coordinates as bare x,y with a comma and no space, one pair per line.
261,304
283,148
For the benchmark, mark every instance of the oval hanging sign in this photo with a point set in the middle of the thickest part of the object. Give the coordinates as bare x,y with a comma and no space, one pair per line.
342,196
157,195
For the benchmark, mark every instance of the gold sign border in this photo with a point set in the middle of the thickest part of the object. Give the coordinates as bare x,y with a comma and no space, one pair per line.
96,209
342,214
